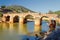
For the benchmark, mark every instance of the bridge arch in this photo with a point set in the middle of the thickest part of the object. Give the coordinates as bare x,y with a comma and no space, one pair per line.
44,17
28,18
7,18
41,19
43,22
16,19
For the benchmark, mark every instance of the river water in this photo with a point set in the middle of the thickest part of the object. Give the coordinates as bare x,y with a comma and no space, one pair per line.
16,31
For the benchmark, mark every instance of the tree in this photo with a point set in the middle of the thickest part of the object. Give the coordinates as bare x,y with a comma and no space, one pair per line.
1,14
50,12
57,12
3,6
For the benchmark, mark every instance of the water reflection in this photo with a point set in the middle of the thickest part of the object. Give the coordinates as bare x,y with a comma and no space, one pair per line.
37,29
14,31
23,29
10,27
5,26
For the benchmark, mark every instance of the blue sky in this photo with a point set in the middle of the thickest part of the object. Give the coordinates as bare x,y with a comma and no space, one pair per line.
35,5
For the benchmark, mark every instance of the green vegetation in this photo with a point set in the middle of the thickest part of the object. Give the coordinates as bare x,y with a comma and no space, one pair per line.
50,12
12,8
18,8
56,12
3,6
1,14
15,8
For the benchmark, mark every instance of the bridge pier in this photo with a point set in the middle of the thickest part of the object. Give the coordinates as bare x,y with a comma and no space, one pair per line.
59,21
22,29
3,18
11,19
21,20
10,26
37,27
37,22
4,26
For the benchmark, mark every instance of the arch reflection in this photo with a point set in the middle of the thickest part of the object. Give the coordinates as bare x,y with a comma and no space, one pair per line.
5,26
37,28
23,29
19,28
10,26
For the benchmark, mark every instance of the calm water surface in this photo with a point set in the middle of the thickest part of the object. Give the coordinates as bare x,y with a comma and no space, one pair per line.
17,32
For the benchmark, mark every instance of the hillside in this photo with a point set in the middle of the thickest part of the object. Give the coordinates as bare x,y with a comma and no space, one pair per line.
15,8
56,12
19,8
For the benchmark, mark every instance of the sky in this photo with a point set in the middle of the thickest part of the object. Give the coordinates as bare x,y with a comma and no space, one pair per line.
35,5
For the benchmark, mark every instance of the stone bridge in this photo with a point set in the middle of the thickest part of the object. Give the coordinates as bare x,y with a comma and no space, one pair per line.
22,18
9,17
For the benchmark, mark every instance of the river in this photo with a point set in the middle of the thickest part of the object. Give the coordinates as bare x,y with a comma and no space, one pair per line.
16,31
